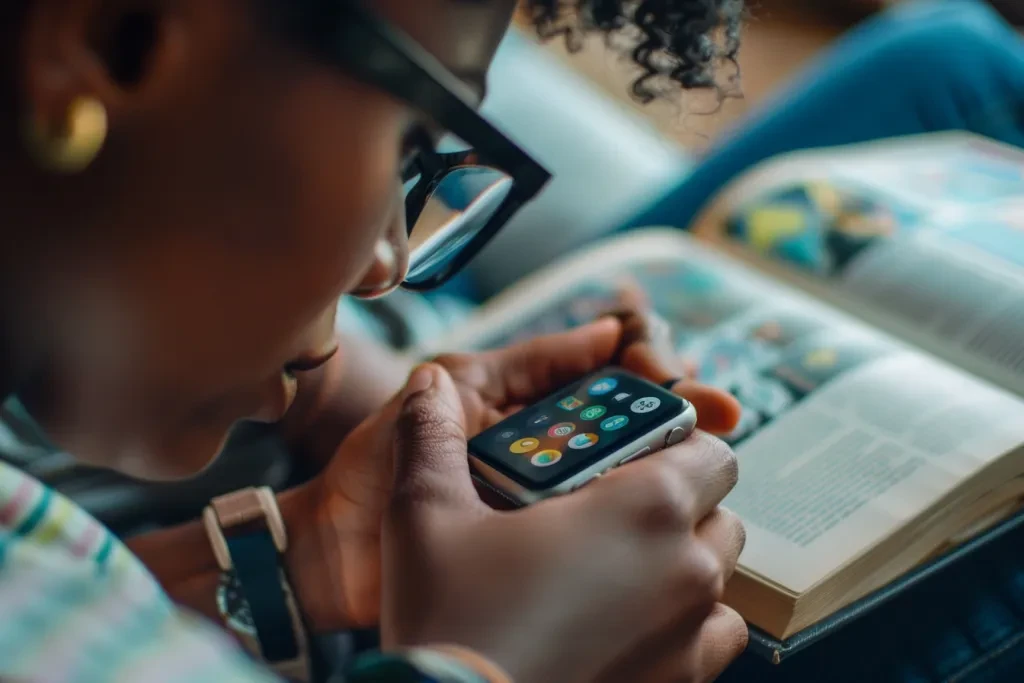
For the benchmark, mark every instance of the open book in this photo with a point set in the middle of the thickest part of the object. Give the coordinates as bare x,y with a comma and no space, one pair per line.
877,346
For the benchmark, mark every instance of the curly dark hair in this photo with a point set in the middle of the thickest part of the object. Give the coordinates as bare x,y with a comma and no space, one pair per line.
676,43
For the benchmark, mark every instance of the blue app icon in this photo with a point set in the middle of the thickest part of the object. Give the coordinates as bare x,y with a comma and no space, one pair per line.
614,423
603,386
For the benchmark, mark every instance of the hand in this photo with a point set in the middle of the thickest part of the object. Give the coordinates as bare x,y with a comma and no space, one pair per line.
494,384
617,582
336,546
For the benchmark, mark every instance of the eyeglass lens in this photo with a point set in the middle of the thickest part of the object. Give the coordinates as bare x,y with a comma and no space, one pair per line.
462,202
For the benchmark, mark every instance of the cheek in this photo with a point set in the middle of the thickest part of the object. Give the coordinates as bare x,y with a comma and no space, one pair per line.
148,377
342,179
307,174
241,255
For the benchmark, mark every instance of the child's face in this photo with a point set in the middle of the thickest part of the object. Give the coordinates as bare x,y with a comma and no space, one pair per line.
243,187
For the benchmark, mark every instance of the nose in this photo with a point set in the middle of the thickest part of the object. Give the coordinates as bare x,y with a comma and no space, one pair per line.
390,258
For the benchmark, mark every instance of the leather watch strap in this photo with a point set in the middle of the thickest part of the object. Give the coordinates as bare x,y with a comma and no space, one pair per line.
248,535
256,565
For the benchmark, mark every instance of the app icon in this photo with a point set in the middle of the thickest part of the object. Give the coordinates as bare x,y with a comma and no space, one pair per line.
570,403
562,429
545,458
524,445
603,386
581,441
506,435
539,420
592,412
619,398
614,423
646,404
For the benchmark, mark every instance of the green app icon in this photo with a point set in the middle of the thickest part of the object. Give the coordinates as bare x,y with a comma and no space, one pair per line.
593,412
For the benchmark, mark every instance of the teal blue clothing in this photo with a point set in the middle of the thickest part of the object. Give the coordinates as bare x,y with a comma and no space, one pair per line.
925,66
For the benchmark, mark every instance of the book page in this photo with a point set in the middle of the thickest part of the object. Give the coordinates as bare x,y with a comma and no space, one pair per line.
923,237
846,433
865,455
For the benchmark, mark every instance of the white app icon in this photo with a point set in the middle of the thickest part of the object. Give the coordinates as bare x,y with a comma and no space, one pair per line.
619,398
645,405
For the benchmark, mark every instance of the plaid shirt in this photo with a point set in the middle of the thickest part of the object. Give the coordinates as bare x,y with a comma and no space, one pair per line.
78,606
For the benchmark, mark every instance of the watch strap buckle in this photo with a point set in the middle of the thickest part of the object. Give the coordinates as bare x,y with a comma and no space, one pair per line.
242,507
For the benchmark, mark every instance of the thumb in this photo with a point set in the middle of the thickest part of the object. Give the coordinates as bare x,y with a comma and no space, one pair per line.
431,460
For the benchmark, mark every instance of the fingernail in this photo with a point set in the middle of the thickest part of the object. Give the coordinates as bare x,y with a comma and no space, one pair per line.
420,380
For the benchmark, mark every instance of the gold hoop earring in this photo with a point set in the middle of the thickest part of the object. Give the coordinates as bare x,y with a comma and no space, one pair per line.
73,148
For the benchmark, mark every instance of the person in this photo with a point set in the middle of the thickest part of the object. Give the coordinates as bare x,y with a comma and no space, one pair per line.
890,76
921,66
190,186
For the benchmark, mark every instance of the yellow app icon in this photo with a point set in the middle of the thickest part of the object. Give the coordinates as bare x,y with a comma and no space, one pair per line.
524,445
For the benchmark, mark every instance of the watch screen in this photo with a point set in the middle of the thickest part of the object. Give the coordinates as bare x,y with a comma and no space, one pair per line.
565,433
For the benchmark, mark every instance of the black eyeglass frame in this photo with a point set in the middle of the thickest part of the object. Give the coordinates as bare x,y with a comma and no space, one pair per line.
373,51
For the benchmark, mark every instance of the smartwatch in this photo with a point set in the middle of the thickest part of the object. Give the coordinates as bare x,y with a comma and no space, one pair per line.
254,597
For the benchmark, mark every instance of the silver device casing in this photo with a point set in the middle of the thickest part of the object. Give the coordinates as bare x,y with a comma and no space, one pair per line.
656,439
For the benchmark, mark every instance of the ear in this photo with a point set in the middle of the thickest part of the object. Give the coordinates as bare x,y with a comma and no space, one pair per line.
116,51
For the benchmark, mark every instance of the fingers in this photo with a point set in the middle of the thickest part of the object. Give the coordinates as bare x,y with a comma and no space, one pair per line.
431,461
646,346
678,486
691,652
723,532
720,640
718,411
723,637
641,343
524,372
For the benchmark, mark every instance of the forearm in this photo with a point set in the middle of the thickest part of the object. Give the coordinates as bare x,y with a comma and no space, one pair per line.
333,400
182,560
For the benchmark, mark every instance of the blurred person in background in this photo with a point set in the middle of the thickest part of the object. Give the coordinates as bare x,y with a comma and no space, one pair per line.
920,66
190,185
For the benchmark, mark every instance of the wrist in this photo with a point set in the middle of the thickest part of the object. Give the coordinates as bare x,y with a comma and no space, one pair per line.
312,552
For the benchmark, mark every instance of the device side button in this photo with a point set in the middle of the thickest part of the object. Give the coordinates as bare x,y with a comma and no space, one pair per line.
677,435
642,453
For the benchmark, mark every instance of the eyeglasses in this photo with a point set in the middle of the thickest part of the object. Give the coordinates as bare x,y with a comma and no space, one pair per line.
456,201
